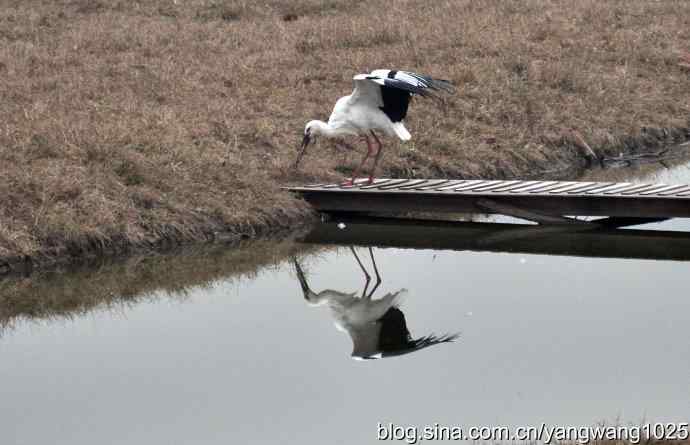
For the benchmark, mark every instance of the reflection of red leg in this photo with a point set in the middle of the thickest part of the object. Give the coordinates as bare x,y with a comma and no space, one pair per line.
379,150
378,276
367,277
359,167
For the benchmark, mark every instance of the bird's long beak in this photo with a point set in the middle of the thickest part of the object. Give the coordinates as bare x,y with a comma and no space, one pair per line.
303,148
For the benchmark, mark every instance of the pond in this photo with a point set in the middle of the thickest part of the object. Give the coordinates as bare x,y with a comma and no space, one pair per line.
273,342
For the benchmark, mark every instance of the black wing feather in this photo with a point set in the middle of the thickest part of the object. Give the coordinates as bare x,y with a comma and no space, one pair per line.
396,92
402,85
395,103
433,84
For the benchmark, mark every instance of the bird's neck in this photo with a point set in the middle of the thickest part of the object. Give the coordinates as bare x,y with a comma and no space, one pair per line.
325,129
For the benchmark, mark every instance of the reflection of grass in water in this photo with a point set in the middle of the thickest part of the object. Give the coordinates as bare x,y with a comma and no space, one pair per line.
114,285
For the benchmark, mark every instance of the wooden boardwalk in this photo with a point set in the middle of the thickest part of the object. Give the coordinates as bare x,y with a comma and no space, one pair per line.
546,202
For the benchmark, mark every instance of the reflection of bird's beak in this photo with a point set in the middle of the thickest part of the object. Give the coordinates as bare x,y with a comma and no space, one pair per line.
303,148
302,278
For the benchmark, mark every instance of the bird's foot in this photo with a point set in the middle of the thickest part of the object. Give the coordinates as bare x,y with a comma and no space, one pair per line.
348,183
371,180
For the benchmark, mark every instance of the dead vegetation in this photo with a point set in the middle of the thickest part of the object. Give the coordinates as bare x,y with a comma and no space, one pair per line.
130,123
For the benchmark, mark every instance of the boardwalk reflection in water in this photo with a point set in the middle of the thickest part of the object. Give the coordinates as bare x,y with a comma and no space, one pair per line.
377,327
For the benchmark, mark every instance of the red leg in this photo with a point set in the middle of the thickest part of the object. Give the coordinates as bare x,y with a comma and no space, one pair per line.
379,150
359,167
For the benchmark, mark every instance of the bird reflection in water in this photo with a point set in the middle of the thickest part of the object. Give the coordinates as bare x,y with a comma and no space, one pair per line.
377,327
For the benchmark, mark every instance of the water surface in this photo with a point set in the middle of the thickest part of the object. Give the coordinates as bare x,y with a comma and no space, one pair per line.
221,349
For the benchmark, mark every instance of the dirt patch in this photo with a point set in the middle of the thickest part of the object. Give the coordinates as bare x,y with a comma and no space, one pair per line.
129,126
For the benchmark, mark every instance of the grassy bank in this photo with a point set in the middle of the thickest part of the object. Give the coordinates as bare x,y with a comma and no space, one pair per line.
128,124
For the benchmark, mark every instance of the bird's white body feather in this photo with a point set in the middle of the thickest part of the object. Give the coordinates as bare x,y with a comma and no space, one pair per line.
361,111
379,102
401,132
356,115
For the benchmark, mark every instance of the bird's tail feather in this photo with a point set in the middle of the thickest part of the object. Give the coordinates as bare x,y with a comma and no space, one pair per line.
401,131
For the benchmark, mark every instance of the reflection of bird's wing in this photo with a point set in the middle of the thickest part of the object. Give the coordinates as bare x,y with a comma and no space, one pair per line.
379,307
395,297
333,297
395,338
365,339
362,311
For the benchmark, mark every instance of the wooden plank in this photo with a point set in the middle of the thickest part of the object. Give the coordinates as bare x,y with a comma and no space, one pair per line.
432,184
594,186
653,190
381,184
570,186
497,187
538,186
639,189
517,185
414,184
675,192
608,188
359,182
452,184
521,186
389,185
471,187
668,188
634,189
547,188
618,189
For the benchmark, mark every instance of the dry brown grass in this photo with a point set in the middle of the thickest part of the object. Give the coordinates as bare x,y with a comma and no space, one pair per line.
124,123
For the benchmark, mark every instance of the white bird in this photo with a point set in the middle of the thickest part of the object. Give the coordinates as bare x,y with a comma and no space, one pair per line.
379,101
377,327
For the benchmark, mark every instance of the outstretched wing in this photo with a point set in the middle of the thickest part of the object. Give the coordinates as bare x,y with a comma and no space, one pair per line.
390,90
366,91
412,82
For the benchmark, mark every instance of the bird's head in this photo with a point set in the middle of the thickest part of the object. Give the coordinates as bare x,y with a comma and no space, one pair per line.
313,128
310,131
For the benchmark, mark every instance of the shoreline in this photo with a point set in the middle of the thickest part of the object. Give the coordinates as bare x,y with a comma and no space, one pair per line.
112,281
133,130
232,237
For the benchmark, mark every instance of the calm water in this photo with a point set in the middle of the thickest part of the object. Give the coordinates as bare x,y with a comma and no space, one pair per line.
246,359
